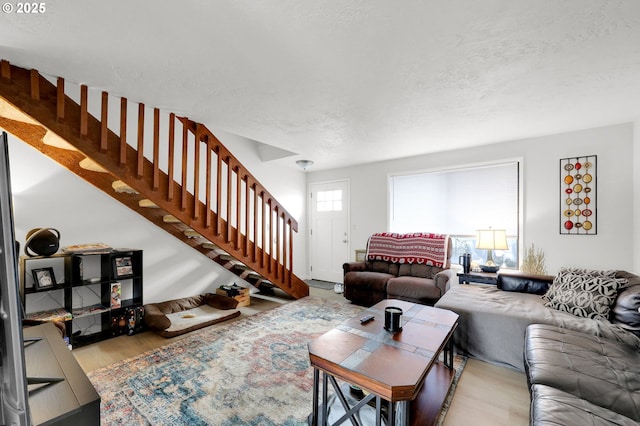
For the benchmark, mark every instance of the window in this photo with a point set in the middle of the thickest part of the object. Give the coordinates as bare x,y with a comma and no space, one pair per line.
329,201
458,202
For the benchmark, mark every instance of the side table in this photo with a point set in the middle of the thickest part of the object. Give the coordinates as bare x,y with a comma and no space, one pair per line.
478,277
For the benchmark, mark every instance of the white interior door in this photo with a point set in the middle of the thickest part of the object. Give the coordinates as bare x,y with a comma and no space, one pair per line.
329,230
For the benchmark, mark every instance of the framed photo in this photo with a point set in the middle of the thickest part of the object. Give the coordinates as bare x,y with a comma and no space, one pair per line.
115,295
44,278
122,266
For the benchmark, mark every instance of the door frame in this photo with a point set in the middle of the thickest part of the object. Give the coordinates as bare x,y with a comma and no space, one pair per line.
309,206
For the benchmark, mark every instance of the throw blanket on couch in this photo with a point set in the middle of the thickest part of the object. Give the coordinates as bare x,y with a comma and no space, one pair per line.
420,247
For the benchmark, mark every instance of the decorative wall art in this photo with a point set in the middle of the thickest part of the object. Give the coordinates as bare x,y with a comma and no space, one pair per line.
578,200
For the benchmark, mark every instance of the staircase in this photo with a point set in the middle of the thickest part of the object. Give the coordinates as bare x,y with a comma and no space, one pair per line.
177,174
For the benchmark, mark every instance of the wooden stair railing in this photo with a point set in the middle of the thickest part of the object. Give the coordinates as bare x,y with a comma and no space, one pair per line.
190,185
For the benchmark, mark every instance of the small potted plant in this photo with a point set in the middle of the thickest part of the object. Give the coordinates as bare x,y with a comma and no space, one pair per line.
533,261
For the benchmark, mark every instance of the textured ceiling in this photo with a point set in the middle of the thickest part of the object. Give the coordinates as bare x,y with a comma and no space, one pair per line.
345,82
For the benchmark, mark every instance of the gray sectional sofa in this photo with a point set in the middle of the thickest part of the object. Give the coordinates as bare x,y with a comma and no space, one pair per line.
582,367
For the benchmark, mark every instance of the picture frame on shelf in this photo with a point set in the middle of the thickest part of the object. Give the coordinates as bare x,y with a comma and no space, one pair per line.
122,266
116,295
44,278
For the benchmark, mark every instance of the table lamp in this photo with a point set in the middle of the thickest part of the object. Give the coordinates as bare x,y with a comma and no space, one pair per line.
491,239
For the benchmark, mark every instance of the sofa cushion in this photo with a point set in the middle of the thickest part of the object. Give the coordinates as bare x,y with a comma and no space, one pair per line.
524,283
626,310
413,289
380,266
423,271
367,280
553,407
404,269
601,371
584,295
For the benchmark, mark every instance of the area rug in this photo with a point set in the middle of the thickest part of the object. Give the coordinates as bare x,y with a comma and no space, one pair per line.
253,372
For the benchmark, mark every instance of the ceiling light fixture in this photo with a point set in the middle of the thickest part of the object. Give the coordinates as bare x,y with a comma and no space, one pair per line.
304,164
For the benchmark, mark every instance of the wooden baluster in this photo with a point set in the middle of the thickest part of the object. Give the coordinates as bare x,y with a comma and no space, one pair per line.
35,85
264,230
229,196
219,191
156,149
60,98
289,278
104,129
84,117
285,249
256,213
123,131
247,215
140,165
170,172
270,241
196,172
5,69
278,241
238,207
185,153
207,209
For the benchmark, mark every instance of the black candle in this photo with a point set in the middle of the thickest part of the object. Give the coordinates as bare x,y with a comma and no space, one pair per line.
392,319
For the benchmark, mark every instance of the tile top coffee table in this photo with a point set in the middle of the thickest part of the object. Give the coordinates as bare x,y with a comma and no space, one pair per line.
401,368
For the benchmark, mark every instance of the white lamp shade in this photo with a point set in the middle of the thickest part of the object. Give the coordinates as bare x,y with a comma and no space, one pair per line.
491,239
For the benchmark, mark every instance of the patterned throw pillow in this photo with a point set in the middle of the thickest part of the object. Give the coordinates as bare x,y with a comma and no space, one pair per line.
611,273
584,295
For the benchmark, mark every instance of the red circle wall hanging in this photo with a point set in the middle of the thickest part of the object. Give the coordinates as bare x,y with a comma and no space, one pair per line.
578,189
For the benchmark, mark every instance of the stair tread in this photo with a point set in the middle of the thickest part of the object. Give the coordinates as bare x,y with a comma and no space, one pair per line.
170,219
146,203
121,187
91,165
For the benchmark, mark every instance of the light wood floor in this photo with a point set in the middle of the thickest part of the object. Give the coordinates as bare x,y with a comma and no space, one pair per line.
486,395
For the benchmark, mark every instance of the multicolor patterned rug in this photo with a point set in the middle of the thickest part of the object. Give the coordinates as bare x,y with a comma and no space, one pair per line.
251,372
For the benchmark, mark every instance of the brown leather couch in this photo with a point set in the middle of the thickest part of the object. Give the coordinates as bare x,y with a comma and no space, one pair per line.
580,379
367,283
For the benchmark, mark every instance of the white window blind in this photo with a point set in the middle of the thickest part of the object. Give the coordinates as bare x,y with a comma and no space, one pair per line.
457,201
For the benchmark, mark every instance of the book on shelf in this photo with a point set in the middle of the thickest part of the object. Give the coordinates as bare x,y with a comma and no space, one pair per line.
58,314
89,310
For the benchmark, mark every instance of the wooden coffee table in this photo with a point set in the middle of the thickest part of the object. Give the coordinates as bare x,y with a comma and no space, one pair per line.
401,369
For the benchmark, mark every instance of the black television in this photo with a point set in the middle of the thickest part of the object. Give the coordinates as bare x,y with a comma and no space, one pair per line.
14,400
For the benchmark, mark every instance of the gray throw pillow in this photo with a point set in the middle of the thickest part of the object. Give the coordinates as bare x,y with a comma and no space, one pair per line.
584,295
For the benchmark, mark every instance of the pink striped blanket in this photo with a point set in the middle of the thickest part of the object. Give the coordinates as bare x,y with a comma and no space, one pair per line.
420,247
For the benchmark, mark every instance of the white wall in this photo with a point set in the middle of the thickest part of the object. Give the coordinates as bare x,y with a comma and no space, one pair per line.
636,198
48,195
612,247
